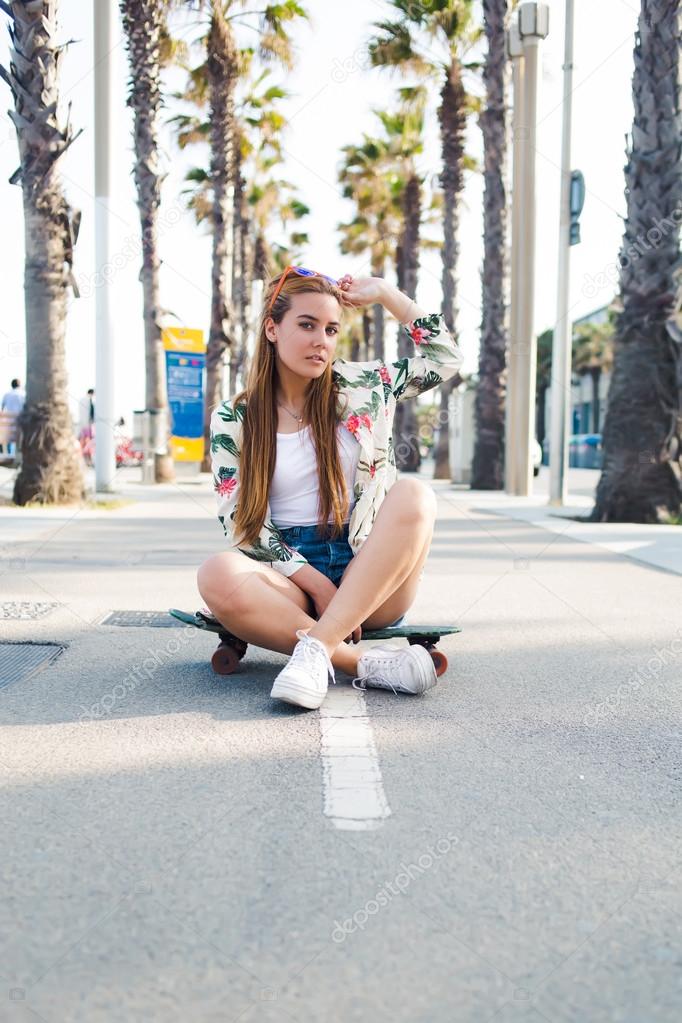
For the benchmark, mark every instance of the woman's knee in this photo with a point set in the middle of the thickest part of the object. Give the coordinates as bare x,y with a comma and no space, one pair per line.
218,575
416,500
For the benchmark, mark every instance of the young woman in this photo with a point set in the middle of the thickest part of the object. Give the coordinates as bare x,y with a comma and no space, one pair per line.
324,540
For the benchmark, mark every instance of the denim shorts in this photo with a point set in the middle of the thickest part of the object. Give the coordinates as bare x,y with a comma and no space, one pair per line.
329,556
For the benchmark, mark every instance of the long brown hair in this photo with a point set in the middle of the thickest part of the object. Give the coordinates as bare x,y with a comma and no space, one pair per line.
259,440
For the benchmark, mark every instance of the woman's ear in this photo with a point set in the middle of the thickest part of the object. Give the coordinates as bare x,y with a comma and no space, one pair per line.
270,329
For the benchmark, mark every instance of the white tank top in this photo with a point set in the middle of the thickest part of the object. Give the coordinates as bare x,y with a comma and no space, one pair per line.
294,490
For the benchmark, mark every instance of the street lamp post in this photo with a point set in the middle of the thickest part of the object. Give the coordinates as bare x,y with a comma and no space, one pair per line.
515,54
562,342
533,25
105,455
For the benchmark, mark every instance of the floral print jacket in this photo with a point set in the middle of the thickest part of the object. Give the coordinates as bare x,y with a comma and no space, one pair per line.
372,390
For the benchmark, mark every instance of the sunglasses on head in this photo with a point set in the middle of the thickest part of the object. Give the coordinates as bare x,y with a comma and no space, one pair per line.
302,271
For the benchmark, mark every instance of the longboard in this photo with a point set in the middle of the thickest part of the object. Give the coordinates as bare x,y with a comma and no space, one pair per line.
231,649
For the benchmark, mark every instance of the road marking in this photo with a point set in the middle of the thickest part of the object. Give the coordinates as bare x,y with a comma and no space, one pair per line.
354,797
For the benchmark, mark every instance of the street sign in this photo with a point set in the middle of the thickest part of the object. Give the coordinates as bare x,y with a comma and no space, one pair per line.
577,201
185,372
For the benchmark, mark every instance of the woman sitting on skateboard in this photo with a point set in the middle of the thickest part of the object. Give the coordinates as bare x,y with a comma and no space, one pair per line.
323,540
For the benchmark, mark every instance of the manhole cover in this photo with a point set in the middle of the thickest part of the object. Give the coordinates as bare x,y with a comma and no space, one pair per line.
24,609
145,619
19,661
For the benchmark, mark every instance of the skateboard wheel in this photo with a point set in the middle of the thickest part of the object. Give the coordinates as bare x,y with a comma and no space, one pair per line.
225,660
440,662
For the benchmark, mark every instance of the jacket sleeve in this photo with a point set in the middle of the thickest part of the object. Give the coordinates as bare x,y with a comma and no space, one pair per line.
438,358
225,454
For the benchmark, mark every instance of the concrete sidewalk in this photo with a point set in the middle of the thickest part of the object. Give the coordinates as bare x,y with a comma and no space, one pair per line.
167,853
658,546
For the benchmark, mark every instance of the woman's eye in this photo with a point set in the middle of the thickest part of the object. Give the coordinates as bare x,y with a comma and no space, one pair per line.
332,330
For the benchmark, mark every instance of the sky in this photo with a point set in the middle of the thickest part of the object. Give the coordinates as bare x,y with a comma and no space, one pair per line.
333,95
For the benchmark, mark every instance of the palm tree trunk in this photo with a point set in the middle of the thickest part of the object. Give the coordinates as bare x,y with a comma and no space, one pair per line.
640,480
247,263
262,260
487,471
595,374
222,75
406,445
452,118
51,470
378,313
143,24
366,334
236,350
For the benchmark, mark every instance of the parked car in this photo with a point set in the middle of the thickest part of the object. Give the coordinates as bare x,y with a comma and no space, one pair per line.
585,451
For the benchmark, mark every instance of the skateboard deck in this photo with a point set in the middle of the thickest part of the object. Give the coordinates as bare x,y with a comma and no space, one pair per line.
231,649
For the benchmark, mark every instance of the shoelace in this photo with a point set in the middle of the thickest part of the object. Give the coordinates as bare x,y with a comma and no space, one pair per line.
307,650
378,678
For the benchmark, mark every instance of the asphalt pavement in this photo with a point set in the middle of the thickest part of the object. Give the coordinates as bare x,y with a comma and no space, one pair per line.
169,854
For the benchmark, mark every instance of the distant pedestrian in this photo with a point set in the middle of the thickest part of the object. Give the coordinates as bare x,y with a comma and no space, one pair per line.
86,424
86,411
13,402
15,399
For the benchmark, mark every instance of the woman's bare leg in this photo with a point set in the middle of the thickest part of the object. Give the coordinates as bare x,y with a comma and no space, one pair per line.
388,563
261,606
402,599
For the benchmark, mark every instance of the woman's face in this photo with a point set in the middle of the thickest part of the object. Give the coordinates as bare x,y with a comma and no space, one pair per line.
306,337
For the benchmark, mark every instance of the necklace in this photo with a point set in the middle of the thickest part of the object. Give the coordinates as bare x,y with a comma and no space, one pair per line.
299,419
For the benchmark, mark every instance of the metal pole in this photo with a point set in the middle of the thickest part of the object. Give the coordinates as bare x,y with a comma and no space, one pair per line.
525,360
533,22
515,51
562,344
105,452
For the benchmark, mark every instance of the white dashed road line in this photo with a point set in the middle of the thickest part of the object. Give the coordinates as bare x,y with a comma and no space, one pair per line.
354,797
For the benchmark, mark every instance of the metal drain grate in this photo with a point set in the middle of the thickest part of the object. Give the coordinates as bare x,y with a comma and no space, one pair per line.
143,619
20,661
24,609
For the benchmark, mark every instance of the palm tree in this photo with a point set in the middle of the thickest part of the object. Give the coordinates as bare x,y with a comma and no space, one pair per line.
642,473
267,202
222,68
543,380
593,355
406,44
369,179
144,25
404,131
51,469
487,471
258,127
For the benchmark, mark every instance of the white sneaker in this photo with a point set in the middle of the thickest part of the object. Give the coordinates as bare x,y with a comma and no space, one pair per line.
304,679
408,670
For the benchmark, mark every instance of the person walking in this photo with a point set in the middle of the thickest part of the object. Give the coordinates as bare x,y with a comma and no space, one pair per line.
13,402
324,540
86,412
86,425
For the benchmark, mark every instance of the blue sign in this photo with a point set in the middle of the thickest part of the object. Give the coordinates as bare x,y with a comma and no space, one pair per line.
185,376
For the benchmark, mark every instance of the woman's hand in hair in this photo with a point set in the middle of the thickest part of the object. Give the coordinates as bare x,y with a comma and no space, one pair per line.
361,291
